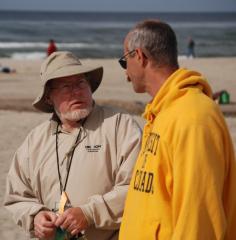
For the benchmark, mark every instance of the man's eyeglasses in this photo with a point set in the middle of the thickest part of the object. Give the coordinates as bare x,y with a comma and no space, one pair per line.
68,87
123,59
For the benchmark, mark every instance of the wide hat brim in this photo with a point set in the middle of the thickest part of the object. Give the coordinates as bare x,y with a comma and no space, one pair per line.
94,76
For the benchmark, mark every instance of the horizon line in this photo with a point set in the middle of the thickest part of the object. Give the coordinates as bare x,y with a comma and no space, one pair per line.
114,11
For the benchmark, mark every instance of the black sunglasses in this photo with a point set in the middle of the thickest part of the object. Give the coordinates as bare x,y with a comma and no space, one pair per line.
123,60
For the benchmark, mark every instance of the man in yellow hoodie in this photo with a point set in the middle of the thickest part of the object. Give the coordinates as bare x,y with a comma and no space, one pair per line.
184,182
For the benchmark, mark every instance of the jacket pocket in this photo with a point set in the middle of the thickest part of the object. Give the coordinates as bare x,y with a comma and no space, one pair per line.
152,231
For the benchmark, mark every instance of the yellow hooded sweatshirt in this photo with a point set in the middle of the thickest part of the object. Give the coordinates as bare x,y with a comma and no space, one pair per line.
184,182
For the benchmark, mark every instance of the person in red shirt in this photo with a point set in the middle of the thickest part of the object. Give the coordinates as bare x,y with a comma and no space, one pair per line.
51,47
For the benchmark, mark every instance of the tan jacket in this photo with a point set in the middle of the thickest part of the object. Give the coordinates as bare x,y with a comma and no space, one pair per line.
99,176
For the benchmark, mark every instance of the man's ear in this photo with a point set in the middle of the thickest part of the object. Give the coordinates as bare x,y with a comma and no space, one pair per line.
142,58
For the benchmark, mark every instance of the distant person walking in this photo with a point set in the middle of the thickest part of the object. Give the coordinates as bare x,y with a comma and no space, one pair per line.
191,47
51,47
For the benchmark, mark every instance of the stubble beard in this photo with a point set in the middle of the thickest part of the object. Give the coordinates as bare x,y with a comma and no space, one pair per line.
137,87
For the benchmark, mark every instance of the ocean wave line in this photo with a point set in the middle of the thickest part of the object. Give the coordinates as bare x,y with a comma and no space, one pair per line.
17,45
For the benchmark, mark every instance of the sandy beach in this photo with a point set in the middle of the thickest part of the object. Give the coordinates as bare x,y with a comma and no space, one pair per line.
24,84
17,117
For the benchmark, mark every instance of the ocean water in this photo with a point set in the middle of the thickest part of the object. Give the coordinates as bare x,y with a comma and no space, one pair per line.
101,35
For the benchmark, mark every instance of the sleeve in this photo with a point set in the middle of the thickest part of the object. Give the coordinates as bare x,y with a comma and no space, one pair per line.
198,178
20,199
105,211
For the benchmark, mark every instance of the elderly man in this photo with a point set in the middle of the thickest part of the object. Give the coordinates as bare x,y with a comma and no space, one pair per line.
183,186
72,172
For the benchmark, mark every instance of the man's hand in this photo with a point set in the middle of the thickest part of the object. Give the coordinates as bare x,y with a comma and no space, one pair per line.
72,220
44,226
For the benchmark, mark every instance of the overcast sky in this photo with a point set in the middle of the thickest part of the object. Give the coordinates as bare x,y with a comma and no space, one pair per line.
120,5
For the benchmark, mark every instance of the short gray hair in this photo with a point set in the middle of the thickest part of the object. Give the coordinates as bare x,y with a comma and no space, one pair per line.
157,40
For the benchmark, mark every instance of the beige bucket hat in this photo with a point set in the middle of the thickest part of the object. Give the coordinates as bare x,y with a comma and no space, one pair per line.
63,64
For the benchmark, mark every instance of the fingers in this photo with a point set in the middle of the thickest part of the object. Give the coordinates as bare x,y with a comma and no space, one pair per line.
38,233
72,227
60,220
65,224
43,232
65,219
70,221
75,232
69,224
51,216
44,224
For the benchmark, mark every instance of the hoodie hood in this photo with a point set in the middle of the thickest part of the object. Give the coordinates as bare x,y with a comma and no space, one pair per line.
175,87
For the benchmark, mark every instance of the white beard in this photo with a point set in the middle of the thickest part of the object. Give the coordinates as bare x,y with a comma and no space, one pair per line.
75,115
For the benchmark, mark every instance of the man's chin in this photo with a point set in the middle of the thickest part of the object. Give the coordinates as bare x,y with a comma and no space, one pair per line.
76,115
138,89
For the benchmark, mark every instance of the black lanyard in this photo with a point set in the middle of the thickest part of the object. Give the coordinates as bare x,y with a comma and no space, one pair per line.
63,188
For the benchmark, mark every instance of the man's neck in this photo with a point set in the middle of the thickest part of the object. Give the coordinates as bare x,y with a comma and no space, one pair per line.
70,126
156,78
